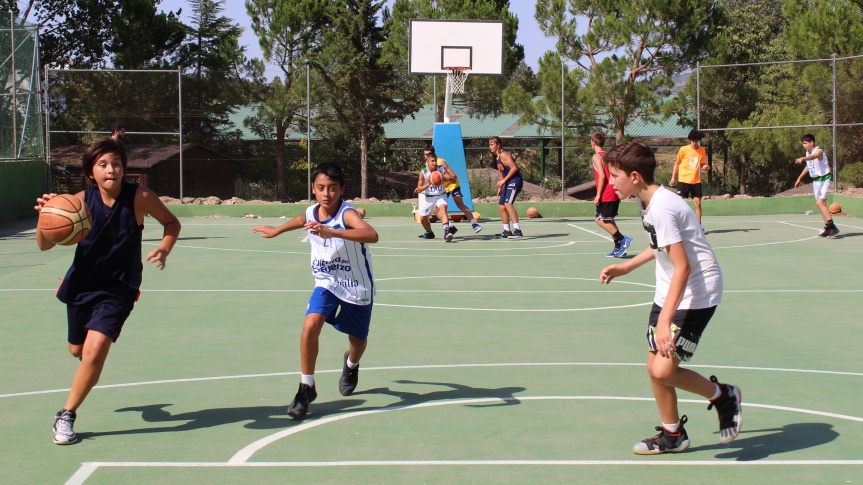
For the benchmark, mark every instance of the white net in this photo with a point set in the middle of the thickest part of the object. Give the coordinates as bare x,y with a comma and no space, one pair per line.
457,76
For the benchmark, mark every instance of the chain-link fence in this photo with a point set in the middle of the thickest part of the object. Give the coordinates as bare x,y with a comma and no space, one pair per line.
754,115
20,95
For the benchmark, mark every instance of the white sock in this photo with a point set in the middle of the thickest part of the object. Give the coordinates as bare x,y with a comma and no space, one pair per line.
351,364
672,428
308,380
515,226
506,227
717,393
473,221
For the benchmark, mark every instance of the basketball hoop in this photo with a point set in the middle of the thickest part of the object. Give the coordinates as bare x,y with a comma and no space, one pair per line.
457,76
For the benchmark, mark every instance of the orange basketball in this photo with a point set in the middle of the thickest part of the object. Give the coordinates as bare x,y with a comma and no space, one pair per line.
65,220
835,208
361,212
532,212
436,178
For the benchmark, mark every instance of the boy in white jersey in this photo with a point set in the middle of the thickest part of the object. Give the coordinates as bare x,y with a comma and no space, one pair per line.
688,288
432,198
818,167
344,286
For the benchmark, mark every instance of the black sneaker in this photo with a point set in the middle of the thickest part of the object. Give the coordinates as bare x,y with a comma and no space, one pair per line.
476,227
426,235
64,433
516,234
664,442
831,232
506,233
728,406
300,405
452,229
349,378
823,232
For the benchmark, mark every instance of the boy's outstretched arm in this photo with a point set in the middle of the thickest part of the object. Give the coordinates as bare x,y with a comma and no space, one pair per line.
358,229
613,271
270,231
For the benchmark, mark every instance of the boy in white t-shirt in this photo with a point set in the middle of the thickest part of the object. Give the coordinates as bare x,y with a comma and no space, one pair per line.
688,289
818,168
432,198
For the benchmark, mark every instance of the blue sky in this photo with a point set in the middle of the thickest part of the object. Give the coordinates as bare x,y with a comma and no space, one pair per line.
534,42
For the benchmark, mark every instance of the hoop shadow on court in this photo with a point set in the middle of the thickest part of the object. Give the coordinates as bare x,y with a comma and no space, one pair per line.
768,442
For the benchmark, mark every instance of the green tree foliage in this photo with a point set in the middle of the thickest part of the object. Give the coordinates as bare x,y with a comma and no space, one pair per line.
482,93
359,89
209,58
92,33
288,33
627,53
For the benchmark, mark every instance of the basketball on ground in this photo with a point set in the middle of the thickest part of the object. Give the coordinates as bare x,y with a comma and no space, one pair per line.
361,212
835,208
532,212
436,178
65,220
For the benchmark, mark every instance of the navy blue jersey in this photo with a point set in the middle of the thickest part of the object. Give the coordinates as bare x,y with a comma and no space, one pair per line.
504,171
108,260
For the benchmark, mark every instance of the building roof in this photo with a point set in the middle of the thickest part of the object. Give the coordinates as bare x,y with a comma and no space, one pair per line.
139,156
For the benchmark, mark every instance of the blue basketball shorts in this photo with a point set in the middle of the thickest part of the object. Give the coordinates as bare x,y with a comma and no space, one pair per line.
510,192
345,317
105,315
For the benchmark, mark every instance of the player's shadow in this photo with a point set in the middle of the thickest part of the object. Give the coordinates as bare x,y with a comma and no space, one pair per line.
504,396
725,231
774,441
196,238
256,417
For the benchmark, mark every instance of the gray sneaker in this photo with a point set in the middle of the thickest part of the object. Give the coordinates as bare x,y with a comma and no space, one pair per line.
476,227
350,377
728,406
64,433
664,442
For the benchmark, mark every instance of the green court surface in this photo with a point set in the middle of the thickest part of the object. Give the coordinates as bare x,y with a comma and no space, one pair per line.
489,361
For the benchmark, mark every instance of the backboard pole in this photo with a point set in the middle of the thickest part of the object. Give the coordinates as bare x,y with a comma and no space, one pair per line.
447,105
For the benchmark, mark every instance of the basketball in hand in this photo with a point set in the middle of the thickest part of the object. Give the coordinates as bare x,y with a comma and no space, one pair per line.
436,178
65,220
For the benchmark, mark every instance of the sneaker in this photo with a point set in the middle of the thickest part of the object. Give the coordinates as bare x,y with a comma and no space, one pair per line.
516,234
448,233
504,234
300,405
426,235
624,246
831,232
64,433
349,378
453,229
823,232
664,442
476,227
729,410
613,253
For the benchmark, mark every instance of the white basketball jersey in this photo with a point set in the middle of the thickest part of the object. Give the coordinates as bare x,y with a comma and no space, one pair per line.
341,266
434,190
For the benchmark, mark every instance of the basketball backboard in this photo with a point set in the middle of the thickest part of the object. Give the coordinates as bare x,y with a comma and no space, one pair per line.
438,44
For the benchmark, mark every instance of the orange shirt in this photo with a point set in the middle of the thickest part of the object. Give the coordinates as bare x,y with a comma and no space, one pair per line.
689,162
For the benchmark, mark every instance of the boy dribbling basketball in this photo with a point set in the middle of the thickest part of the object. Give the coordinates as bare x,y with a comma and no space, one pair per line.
102,285
688,289
344,284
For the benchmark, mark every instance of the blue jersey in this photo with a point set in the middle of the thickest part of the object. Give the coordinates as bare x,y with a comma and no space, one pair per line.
504,171
108,260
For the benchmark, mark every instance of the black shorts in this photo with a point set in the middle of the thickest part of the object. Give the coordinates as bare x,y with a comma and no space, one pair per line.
455,192
104,315
689,190
686,327
607,211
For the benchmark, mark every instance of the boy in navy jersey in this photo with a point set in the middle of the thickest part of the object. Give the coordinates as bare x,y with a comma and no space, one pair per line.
344,286
101,287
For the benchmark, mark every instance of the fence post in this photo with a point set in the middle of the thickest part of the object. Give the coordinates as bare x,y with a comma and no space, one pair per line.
562,136
180,128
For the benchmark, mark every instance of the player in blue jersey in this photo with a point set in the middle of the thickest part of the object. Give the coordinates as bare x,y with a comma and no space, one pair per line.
508,187
344,285
102,285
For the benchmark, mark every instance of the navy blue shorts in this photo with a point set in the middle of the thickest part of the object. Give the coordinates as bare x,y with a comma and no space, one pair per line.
686,328
345,317
510,192
455,192
106,315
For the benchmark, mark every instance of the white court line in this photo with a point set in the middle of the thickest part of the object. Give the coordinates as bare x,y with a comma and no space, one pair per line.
603,236
89,468
440,366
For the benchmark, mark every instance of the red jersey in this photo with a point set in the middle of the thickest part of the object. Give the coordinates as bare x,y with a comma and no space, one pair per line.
608,193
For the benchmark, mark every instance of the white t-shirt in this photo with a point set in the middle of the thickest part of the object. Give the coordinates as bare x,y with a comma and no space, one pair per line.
818,167
434,190
341,266
668,220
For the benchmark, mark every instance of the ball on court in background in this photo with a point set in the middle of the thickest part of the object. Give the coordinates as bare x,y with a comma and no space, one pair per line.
835,208
532,212
436,178
65,220
361,212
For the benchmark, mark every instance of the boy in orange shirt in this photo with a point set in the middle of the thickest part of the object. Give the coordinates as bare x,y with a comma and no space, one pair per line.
690,158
